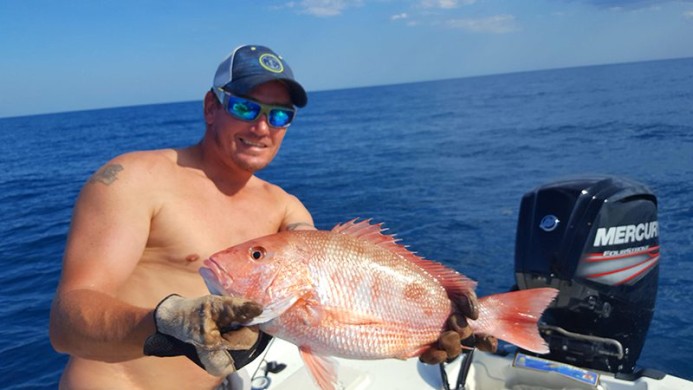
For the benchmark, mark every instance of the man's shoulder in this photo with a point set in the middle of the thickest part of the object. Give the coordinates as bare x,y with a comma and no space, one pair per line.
269,189
147,161
294,212
158,157
135,167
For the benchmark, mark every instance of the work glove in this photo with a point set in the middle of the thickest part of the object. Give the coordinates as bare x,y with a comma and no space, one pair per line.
459,333
208,330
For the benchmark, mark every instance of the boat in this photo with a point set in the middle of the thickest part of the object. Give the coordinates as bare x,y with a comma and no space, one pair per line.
593,238
281,368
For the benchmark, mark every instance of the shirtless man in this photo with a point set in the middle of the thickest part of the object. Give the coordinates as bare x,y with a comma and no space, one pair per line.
145,220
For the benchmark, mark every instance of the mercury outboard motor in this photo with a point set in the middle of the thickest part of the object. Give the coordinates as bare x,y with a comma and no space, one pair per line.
595,239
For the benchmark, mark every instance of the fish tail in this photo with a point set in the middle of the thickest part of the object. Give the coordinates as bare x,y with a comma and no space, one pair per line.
513,317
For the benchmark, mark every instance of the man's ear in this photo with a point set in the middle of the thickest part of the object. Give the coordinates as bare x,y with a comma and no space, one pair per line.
210,107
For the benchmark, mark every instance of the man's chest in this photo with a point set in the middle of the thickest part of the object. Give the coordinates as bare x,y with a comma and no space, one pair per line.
184,234
190,228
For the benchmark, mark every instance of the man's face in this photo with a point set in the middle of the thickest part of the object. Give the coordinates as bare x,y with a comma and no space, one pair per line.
251,145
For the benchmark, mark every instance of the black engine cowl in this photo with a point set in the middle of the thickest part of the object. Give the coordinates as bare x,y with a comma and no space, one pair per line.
596,239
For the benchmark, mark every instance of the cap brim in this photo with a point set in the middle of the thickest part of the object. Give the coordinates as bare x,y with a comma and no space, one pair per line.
244,86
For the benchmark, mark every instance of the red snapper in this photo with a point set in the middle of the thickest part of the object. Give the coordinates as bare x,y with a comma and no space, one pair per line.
354,292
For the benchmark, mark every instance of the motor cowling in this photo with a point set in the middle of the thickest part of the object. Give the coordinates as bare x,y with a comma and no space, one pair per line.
596,239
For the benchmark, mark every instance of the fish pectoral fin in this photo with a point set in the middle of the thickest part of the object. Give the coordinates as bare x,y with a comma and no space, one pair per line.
350,317
323,368
309,311
313,314
274,310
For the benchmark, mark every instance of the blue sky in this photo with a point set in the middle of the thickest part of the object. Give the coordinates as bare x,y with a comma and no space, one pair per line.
72,55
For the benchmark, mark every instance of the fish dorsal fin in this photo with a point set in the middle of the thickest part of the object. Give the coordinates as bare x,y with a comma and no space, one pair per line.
373,233
367,231
454,283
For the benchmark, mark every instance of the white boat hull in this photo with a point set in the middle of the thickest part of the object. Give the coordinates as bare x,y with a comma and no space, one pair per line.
488,371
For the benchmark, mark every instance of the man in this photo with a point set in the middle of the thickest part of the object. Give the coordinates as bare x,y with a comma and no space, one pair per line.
142,224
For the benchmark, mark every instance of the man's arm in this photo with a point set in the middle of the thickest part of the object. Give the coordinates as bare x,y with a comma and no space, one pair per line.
109,231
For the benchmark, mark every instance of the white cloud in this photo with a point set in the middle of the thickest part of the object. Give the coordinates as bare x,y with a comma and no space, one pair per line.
444,4
688,14
498,24
619,5
327,8
405,18
324,8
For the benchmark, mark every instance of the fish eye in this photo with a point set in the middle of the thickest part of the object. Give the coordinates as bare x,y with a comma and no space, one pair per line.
257,252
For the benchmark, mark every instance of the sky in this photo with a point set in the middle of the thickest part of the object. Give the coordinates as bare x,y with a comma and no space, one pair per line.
70,55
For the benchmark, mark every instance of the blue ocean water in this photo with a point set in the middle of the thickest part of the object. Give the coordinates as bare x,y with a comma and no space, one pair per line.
443,164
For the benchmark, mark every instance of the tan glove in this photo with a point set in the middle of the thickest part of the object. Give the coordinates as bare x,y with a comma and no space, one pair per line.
449,344
211,324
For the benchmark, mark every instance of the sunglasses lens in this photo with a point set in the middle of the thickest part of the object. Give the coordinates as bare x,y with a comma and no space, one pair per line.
243,109
280,118
249,110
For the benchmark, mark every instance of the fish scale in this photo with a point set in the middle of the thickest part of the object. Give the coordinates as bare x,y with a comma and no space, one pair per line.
354,282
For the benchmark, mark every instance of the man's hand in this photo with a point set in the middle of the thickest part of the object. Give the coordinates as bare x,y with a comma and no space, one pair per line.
204,329
449,344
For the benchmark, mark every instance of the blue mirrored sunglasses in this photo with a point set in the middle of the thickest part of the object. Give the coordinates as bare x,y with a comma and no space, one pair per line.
249,110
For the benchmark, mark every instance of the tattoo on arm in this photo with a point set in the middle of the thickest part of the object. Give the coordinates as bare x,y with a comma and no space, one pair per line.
293,226
106,175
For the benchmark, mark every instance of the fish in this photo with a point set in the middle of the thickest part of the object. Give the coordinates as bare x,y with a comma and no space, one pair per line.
355,292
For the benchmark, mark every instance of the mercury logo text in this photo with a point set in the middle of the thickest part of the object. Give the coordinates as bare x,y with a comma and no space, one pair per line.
626,234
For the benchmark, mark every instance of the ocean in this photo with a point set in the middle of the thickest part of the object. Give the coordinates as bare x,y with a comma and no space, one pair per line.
443,164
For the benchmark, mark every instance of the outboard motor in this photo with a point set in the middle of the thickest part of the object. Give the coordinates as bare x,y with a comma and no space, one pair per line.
596,239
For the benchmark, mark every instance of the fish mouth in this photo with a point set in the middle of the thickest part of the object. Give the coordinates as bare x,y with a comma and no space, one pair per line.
216,277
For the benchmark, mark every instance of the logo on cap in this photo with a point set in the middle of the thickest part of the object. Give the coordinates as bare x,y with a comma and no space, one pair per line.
271,62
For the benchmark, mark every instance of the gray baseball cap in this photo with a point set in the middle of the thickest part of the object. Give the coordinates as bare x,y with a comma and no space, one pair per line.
251,65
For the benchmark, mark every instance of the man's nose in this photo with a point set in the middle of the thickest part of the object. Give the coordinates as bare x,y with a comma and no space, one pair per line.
261,124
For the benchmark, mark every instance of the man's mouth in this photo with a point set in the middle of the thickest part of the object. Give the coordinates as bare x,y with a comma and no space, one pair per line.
251,143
